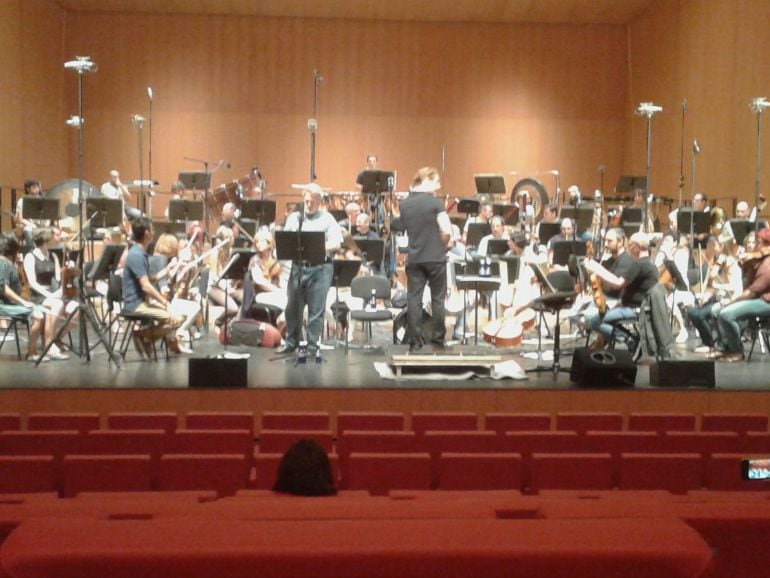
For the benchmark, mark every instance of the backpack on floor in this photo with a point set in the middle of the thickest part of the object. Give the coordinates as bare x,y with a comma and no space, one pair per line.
250,333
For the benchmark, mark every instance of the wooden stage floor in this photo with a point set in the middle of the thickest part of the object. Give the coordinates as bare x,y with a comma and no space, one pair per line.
350,382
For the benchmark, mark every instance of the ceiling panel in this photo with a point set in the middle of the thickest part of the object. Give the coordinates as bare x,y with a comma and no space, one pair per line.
546,11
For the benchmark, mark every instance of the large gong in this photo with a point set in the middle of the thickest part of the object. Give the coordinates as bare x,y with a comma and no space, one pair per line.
67,194
535,190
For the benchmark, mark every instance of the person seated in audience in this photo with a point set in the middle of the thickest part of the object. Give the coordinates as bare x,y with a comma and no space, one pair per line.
305,470
12,304
44,275
140,295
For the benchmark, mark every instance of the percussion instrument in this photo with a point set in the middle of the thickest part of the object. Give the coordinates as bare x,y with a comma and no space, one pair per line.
223,194
67,194
535,191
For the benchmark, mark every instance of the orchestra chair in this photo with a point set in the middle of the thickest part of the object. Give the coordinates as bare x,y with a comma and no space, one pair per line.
759,328
363,288
558,293
130,322
12,324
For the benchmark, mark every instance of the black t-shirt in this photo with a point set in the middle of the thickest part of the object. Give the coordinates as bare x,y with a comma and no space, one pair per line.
419,213
637,288
624,266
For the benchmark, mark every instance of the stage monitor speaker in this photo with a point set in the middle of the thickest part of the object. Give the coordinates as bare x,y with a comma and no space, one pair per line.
213,372
683,373
603,368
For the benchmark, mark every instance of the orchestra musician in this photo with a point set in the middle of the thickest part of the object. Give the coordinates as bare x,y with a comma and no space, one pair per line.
352,210
363,228
429,228
115,189
753,301
44,275
497,225
309,284
371,165
227,293
724,283
486,212
628,278
140,295
32,188
12,303
674,247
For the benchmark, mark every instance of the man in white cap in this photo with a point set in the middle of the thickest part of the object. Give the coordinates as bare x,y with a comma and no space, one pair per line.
312,284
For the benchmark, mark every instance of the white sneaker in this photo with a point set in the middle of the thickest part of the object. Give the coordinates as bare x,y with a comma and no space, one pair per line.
703,349
682,337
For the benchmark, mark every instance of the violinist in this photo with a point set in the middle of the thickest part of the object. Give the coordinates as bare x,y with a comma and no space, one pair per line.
753,301
44,275
627,279
674,247
12,303
266,273
27,226
227,293
724,283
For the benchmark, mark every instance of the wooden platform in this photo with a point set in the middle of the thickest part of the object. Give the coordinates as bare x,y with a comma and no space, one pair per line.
400,357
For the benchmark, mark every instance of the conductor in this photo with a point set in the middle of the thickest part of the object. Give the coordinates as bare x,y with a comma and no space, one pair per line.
427,224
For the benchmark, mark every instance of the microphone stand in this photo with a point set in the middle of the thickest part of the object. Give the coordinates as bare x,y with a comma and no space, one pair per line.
647,109
149,149
138,123
312,124
758,105
695,151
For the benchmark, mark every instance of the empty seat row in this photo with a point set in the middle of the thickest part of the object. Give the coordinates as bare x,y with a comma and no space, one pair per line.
419,422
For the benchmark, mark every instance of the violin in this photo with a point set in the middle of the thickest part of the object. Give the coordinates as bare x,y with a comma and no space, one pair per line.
760,253
271,269
596,283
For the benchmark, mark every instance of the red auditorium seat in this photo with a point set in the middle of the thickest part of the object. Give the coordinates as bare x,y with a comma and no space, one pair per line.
223,473
380,473
366,421
266,469
443,421
122,442
94,473
479,471
503,422
213,441
571,472
81,422
220,420
25,474
757,442
544,442
582,422
37,443
10,421
676,473
383,442
737,422
278,441
438,442
723,472
704,443
166,421
661,422
287,420
616,443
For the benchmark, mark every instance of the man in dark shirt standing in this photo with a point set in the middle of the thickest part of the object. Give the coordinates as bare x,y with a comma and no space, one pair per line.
428,227
753,302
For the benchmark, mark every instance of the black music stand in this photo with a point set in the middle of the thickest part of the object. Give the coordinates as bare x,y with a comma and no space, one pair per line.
630,184
344,273
489,184
740,228
105,265
176,228
373,250
582,216
695,222
185,210
40,208
235,269
558,290
468,206
373,183
509,213
679,283
497,246
472,280
104,212
631,215
512,264
249,229
263,212
476,232
195,181
547,231
562,250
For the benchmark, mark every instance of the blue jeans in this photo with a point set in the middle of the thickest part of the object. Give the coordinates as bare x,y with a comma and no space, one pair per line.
730,317
605,325
700,317
311,290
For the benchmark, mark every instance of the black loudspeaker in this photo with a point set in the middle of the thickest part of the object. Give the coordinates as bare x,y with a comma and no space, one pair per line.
603,368
212,372
683,373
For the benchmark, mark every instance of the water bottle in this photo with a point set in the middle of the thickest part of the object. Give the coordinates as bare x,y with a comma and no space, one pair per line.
318,358
302,352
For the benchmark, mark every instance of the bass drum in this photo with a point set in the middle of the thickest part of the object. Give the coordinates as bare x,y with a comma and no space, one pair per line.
399,326
536,192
